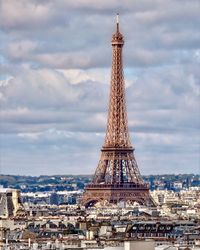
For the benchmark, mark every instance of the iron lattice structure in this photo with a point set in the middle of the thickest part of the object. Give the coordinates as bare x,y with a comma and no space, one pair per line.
117,177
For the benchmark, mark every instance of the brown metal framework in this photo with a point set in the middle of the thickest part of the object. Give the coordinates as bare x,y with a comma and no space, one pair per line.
117,177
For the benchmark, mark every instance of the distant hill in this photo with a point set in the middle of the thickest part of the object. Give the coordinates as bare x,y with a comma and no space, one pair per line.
45,183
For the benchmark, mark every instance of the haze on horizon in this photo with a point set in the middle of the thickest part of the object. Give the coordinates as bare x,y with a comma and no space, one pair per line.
54,84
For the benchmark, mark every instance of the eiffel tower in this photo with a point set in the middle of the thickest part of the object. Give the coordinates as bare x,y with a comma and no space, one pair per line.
117,177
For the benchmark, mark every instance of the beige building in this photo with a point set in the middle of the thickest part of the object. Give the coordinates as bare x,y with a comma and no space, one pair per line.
10,202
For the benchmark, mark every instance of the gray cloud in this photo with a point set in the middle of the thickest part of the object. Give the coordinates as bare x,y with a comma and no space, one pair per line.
157,32
54,84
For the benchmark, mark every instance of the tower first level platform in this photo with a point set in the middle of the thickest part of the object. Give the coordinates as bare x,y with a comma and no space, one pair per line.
116,193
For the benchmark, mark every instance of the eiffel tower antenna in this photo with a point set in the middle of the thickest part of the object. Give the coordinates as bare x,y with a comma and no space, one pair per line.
117,22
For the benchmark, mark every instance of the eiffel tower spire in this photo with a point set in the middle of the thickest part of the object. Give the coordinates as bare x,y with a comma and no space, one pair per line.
117,134
117,176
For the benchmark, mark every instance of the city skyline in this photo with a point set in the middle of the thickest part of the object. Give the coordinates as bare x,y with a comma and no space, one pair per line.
55,81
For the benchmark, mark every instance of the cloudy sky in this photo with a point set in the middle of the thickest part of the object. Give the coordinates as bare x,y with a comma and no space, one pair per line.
54,83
